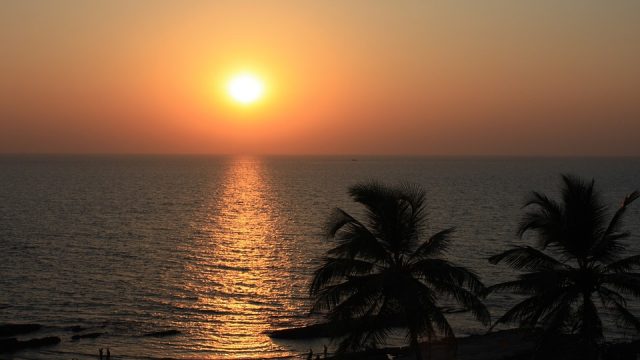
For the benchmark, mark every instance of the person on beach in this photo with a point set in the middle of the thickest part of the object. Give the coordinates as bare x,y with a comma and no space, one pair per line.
310,356
100,350
108,354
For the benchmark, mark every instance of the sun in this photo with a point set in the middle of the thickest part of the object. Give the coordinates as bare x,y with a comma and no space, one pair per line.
245,88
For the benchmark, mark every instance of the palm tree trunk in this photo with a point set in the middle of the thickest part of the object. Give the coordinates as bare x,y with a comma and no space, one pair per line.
590,348
415,345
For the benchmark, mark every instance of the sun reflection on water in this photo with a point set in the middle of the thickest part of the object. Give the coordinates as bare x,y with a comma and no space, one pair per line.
237,272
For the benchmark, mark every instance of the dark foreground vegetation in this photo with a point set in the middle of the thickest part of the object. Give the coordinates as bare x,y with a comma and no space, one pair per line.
381,271
384,272
574,273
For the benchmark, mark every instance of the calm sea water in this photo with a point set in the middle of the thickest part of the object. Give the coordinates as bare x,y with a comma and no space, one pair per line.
222,248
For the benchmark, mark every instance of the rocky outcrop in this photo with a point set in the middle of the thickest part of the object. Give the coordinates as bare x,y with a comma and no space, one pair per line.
7,330
326,330
304,332
13,344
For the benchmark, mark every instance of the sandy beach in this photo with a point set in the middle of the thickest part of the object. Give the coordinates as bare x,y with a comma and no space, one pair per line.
492,346
504,344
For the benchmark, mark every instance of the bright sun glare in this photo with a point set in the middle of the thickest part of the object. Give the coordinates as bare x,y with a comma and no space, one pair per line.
245,88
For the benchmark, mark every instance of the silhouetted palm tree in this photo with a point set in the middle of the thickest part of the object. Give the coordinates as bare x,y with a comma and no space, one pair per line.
578,259
382,272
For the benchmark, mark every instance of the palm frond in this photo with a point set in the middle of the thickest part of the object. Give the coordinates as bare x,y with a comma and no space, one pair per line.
535,282
607,245
366,332
332,295
626,316
558,315
395,214
414,215
442,271
515,286
608,296
337,219
615,222
625,265
436,245
367,328
546,219
354,239
527,258
364,302
338,269
529,311
437,317
584,216
381,203
521,312
467,299
626,283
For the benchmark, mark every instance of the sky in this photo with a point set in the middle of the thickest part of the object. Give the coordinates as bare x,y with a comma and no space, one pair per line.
459,78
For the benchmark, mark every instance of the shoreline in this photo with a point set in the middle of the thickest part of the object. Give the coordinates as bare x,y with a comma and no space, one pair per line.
496,345
509,344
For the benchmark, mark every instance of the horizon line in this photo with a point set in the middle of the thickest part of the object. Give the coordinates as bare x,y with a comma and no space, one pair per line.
352,155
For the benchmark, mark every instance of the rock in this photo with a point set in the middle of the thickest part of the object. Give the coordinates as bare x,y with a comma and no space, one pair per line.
162,333
324,330
304,332
7,330
12,344
86,336
7,344
45,341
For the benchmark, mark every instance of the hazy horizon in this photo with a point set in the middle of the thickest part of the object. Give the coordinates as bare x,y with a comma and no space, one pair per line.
495,78
354,157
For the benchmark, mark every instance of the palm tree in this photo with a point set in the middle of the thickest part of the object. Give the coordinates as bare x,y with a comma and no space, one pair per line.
381,273
578,261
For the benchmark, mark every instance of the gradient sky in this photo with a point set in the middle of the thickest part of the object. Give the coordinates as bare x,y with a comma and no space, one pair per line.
343,77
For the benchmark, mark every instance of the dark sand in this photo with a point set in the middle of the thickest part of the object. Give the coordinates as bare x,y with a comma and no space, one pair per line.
492,346
506,344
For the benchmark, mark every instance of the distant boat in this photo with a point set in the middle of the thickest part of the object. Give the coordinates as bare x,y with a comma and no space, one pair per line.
354,159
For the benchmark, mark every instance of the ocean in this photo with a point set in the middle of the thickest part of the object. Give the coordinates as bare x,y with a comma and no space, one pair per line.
222,248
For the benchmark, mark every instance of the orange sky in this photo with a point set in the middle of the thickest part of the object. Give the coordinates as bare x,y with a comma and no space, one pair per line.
357,77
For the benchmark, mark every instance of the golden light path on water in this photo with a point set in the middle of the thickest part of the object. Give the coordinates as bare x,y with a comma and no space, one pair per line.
238,273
